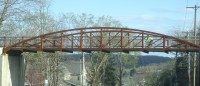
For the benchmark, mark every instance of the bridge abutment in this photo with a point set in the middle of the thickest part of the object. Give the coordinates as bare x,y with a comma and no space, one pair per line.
11,69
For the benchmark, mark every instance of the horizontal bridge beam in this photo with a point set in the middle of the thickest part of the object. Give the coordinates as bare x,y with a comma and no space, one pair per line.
104,49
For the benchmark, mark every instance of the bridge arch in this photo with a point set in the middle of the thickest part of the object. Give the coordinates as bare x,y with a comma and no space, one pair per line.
105,39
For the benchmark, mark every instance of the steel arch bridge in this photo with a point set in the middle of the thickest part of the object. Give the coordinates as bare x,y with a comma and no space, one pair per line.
106,39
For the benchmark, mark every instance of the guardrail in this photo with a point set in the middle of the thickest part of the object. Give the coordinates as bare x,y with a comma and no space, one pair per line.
7,41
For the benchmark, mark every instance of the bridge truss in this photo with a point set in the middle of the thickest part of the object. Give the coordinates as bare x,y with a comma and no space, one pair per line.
106,39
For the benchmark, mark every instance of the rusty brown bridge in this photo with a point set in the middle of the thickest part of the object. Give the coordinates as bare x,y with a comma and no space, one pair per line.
106,39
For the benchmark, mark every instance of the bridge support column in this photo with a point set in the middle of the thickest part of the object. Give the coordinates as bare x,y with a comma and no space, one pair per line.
11,69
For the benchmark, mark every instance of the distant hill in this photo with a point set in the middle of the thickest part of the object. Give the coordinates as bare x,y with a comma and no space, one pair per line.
150,59
143,60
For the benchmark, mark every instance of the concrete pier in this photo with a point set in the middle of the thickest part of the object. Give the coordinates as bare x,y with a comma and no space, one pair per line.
11,69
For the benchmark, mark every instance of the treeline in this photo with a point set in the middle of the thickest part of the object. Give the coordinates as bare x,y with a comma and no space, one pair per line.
142,60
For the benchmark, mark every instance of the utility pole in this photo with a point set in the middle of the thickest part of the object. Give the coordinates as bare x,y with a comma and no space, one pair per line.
188,54
195,40
82,70
120,71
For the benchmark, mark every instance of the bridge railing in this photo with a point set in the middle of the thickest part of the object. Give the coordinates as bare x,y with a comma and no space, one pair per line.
7,41
191,39
98,39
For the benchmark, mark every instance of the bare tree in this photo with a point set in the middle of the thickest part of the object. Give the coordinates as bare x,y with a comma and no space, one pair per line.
32,21
12,10
99,60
